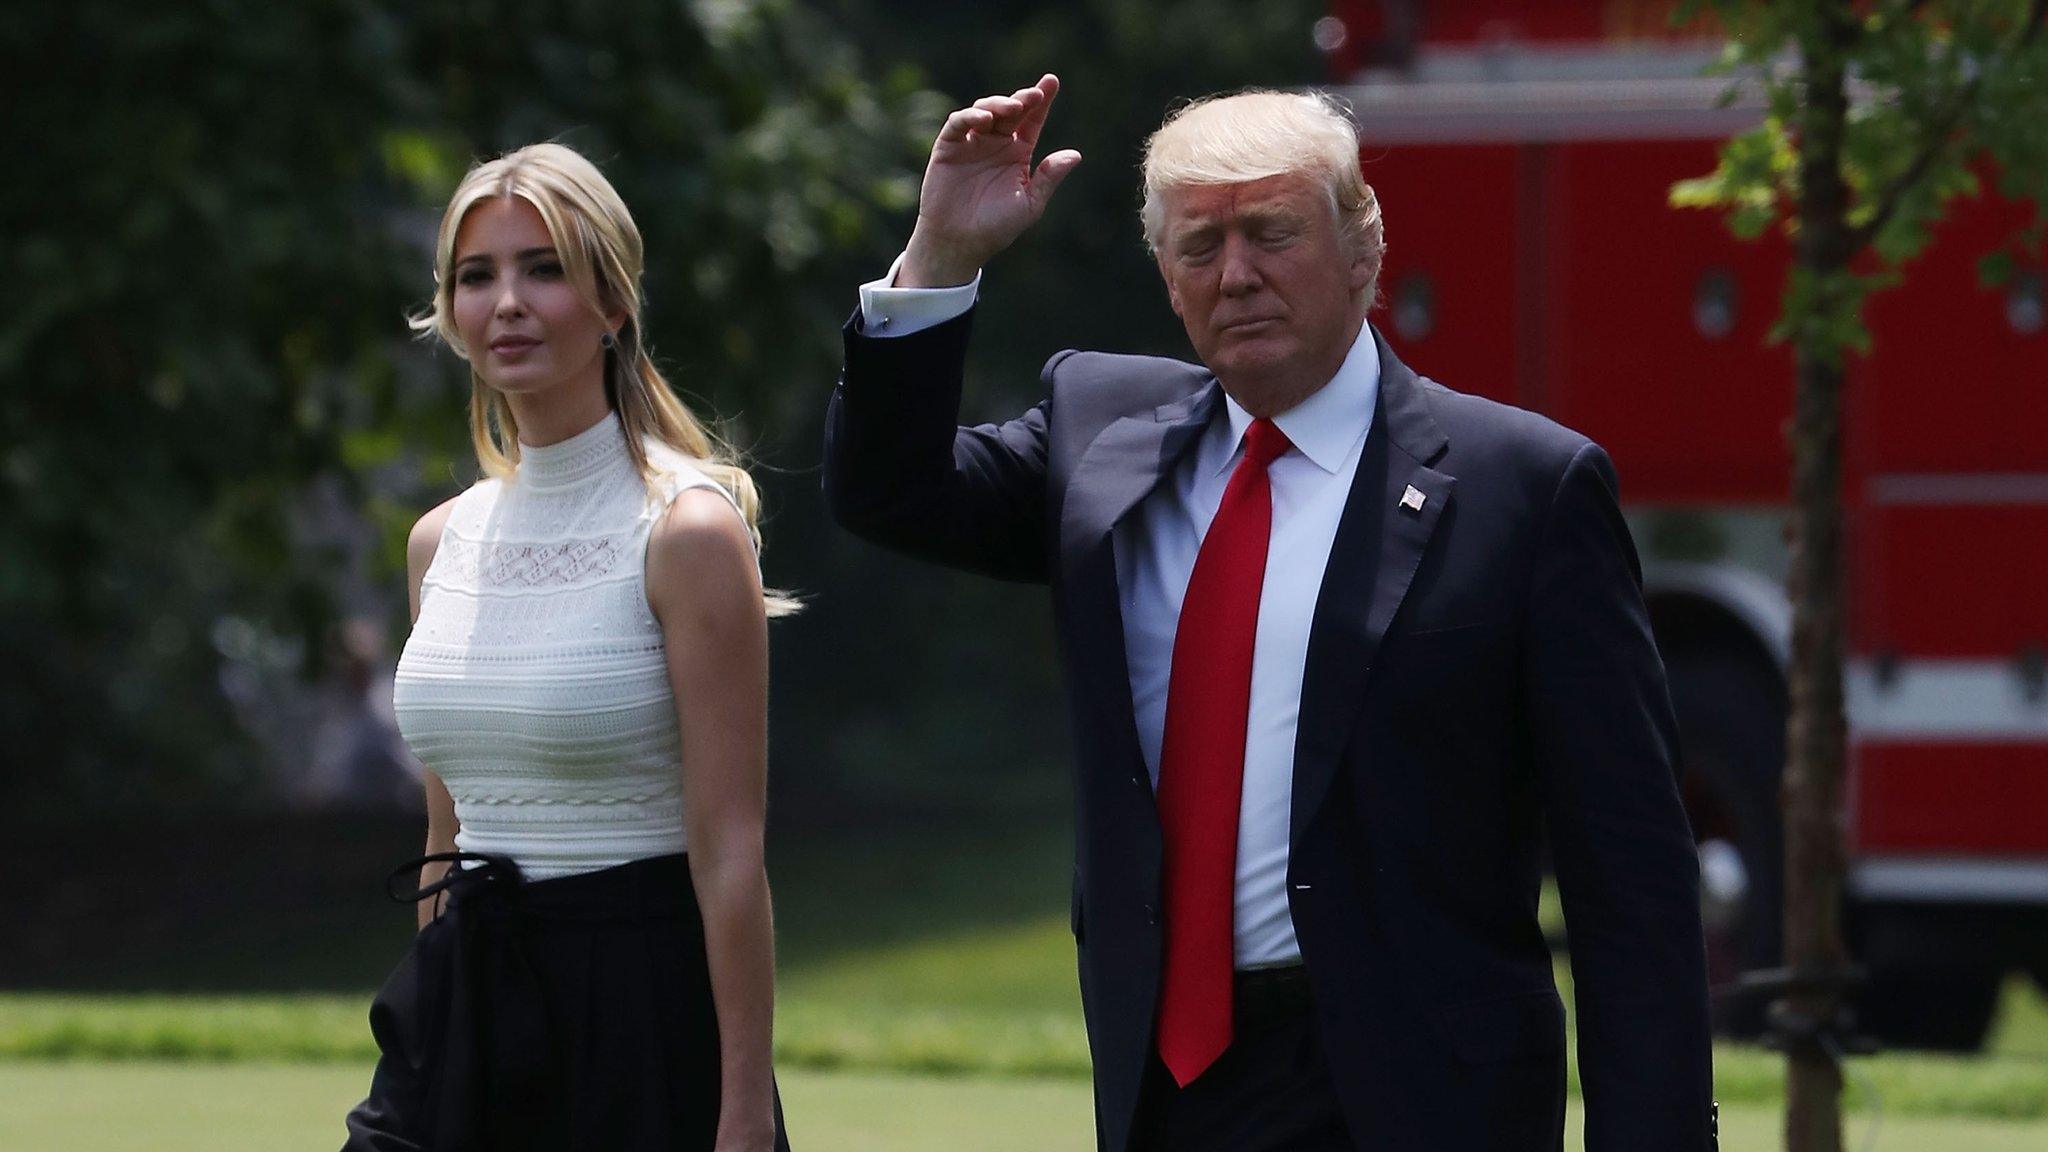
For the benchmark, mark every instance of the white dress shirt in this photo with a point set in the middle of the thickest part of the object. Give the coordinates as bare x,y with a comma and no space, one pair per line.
1155,553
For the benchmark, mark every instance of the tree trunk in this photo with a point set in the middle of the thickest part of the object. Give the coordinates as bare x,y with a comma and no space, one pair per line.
1817,733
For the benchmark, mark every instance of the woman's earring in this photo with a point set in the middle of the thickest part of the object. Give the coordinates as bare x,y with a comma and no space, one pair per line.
608,340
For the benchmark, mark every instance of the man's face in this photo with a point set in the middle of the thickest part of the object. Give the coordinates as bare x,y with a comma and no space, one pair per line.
1264,283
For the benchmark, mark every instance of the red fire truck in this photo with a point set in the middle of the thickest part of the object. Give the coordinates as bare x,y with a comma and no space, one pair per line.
1523,153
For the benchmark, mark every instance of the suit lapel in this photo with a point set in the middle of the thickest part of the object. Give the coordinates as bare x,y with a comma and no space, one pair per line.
1120,468
1125,462
1379,545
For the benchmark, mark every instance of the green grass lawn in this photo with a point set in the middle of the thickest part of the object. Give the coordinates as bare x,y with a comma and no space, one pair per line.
909,1009
270,1108
953,958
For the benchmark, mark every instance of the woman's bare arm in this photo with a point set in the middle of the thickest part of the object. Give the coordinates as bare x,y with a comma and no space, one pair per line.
705,589
441,823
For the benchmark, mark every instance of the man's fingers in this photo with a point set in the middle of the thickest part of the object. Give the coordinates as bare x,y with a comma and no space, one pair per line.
1036,105
1051,172
1020,114
1008,110
966,120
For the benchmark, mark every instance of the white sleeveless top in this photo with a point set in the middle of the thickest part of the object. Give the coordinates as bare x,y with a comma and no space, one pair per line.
535,682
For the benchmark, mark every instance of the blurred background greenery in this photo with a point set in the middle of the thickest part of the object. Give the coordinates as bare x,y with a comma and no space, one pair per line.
216,429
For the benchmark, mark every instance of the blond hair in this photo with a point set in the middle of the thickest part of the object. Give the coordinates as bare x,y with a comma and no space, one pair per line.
1256,134
600,250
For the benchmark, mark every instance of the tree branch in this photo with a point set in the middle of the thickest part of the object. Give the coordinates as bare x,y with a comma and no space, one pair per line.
1943,124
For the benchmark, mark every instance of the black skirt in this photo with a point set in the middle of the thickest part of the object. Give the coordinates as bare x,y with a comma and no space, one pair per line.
557,1014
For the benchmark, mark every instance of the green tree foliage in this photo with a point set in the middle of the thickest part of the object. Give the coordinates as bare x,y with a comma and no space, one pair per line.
1943,96
1880,113
206,383
222,220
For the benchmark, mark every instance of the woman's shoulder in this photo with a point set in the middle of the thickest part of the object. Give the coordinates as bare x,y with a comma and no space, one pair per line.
425,538
701,558
674,472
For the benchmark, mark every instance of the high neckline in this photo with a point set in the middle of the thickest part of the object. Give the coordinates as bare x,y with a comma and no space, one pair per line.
576,459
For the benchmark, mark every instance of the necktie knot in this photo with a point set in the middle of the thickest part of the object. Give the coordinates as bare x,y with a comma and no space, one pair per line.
1264,443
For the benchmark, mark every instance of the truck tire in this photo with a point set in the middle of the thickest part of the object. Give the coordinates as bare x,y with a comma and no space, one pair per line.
1939,1011
1936,973
1731,719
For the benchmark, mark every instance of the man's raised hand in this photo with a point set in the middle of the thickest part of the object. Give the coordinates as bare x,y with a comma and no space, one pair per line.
980,189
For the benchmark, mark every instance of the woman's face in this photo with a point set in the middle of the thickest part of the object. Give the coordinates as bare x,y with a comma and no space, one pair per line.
526,328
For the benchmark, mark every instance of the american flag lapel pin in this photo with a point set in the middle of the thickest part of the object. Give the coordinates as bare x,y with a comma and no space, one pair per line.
1412,499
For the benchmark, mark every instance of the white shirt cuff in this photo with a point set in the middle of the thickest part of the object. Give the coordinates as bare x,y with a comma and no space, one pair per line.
886,310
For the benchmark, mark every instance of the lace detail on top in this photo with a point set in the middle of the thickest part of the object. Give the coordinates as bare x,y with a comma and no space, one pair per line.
535,682
529,565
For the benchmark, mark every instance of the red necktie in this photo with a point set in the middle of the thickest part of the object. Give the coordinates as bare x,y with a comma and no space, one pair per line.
1201,761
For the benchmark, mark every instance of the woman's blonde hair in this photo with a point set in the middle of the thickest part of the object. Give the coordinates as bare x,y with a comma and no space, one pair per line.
601,254
1259,133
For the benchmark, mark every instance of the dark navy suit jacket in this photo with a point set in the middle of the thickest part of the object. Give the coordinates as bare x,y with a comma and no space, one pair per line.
1479,671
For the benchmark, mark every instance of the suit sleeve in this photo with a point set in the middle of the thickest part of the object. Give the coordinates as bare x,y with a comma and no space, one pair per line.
1627,870
901,472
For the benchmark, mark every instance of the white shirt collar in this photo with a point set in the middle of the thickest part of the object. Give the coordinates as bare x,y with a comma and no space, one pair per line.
1330,423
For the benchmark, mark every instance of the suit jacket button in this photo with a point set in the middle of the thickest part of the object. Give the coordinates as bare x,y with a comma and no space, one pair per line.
1152,914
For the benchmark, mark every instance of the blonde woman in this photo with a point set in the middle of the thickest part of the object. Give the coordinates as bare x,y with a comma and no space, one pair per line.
586,682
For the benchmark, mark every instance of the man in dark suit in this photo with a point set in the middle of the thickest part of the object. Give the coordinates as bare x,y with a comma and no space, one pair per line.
1341,644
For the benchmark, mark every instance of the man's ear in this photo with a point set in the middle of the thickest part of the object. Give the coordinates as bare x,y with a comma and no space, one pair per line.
1365,266
1172,293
